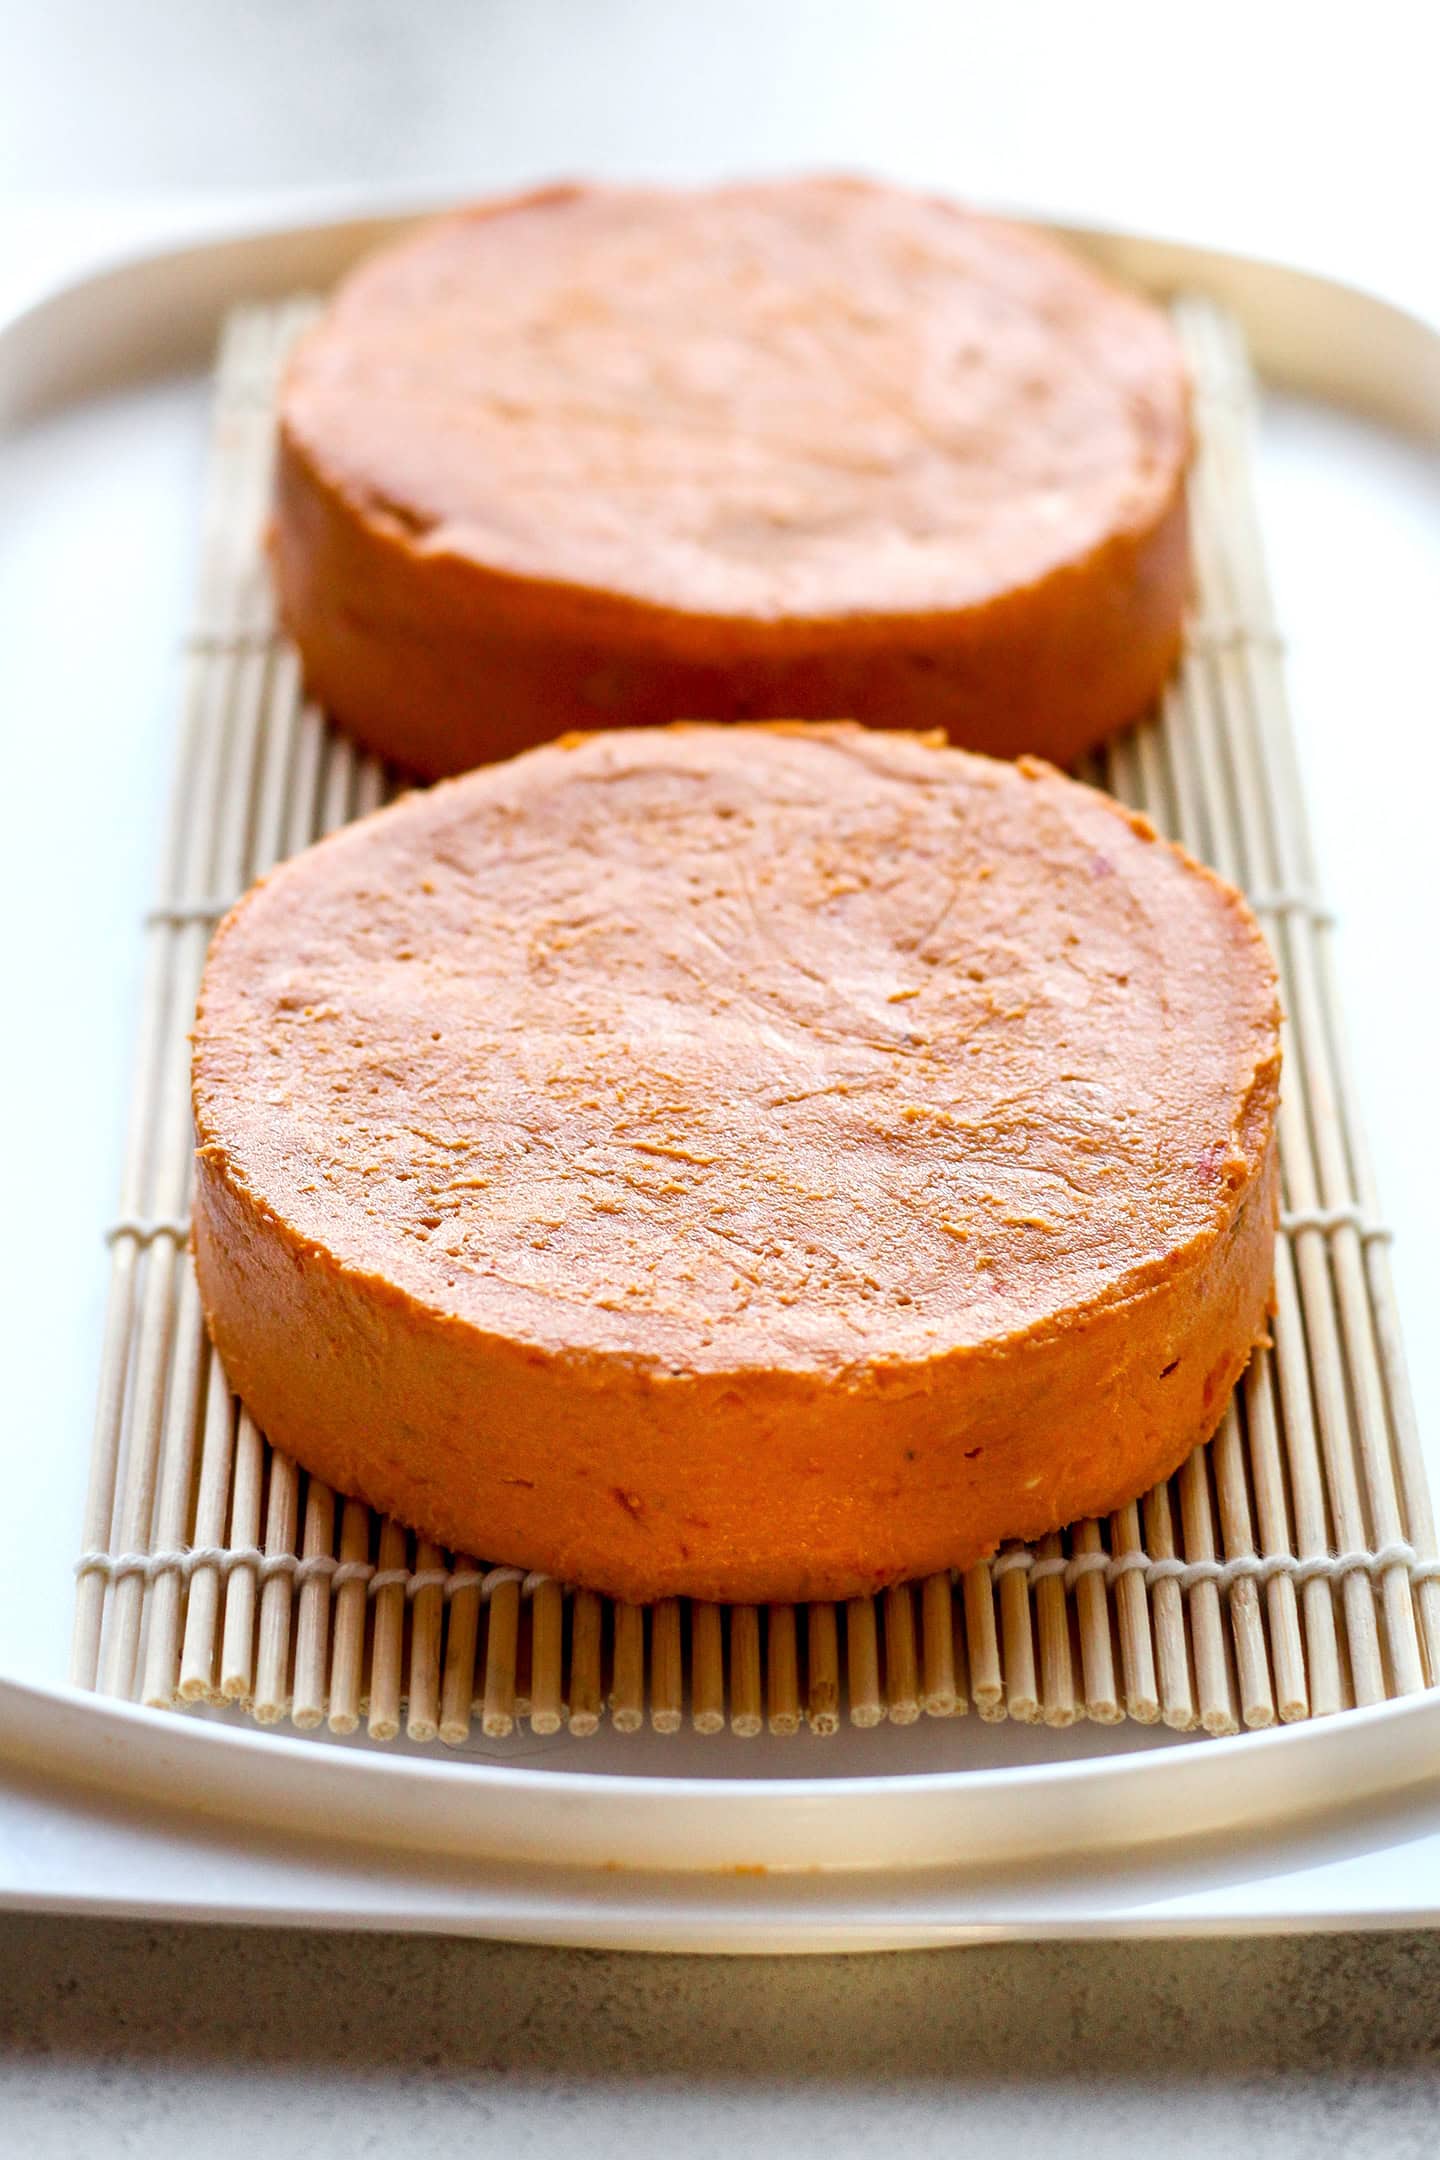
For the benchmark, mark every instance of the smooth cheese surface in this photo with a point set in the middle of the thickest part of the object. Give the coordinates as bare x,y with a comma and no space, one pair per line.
807,400
711,1049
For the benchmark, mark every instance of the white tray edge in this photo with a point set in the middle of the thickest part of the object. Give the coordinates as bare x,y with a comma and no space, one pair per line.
137,316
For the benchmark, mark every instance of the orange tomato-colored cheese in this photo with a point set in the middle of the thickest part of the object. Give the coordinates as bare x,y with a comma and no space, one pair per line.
747,1162
603,456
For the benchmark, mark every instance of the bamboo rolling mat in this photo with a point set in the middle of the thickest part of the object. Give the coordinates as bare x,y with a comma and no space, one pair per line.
1288,1571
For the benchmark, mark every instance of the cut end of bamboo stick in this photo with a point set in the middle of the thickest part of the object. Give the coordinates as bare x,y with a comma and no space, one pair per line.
1061,1716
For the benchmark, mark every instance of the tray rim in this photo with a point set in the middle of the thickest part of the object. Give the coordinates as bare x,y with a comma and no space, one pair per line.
158,306
1065,1813
133,314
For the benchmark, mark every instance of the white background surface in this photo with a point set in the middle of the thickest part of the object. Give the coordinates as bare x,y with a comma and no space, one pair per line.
1301,131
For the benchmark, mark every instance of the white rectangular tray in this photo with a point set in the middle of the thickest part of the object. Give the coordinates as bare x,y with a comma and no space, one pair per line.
99,481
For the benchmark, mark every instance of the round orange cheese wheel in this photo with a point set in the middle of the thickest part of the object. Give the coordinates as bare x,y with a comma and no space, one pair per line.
599,456
747,1162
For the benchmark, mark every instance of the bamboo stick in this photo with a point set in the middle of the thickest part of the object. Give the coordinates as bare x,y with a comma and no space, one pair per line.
987,1684
524,1677
627,1697
547,1659
198,1678
1307,1489
237,1655
862,1662
1207,1637
586,1700
1022,1688
667,1666
902,1673
782,1670
961,1655
746,1697
1058,1704
1177,1698
91,1591
1132,1606
272,1661
462,1634
822,1664
1292,1684
427,1616
707,1678
388,1637
137,1497
1252,1665
939,1692
161,1685
502,1637
1102,1698
312,1626
347,1653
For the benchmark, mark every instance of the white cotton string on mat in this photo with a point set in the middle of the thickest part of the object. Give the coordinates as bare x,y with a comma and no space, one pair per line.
1287,1571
